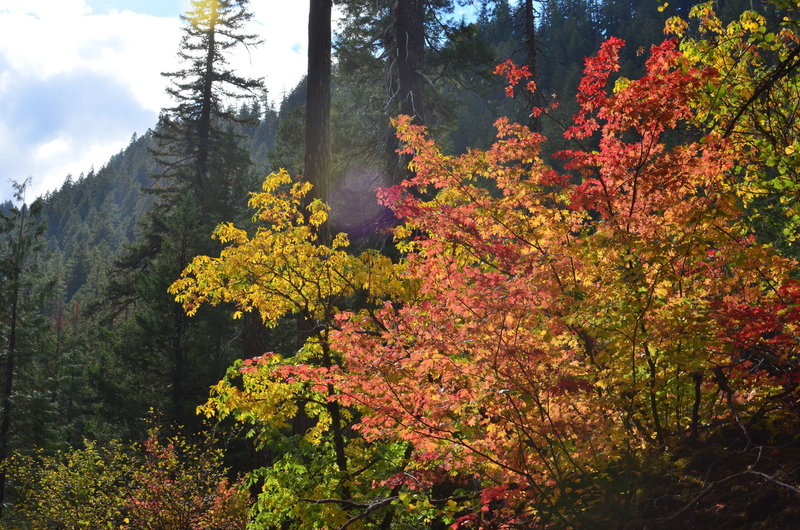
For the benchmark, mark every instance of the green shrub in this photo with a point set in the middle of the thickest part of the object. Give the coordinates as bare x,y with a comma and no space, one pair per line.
160,484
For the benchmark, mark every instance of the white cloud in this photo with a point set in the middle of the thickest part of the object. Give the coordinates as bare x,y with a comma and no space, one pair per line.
51,149
282,58
57,9
61,67
75,84
54,39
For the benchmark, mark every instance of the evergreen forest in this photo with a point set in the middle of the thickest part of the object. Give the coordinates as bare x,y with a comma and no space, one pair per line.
534,267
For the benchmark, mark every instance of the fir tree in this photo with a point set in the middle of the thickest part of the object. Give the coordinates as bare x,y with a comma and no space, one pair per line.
20,235
194,134
204,180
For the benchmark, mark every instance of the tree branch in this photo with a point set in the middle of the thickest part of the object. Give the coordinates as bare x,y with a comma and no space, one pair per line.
790,63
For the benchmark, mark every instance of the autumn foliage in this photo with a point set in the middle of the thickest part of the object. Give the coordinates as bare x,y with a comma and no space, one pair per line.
554,345
164,483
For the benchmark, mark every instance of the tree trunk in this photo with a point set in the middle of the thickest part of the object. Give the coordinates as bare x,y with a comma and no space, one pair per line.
204,123
178,346
318,99
409,38
534,99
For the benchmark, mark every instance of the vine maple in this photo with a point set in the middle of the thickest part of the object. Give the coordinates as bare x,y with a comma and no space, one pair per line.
547,337
290,402
753,102
566,329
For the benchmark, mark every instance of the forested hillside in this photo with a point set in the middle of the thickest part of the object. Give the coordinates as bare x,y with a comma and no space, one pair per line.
531,267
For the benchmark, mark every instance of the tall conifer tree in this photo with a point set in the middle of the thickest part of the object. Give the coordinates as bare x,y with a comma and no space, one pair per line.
204,180
194,133
19,240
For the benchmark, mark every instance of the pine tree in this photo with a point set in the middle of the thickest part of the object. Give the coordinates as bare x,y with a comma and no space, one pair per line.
204,180
195,133
20,235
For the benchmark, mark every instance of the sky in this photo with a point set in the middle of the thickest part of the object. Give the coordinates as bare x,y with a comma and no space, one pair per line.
79,77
